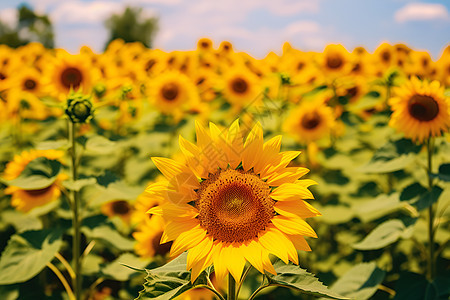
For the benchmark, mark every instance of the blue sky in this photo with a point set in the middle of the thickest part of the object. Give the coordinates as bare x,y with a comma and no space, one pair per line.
255,26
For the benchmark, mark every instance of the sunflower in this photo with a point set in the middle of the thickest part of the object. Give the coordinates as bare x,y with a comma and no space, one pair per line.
240,86
420,109
69,72
335,60
233,202
25,200
173,93
118,208
310,121
148,236
204,44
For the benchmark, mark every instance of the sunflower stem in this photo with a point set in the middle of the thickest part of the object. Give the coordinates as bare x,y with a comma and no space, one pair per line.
76,282
231,288
431,262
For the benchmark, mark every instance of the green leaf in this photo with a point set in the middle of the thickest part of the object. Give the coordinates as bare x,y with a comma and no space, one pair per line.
412,191
170,280
38,174
379,207
9,292
100,144
384,234
79,184
58,144
411,286
21,222
392,156
109,235
360,282
444,172
117,269
427,199
292,276
27,254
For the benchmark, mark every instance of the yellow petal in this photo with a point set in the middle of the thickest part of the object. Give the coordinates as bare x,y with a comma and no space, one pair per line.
253,254
199,252
291,191
283,159
299,242
187,239
173,229
297,208
235,145
253,147
269,154
235,261
275,242
290,225
286,175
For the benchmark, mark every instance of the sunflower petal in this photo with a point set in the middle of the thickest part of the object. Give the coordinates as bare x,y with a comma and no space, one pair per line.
187,239
253,147
290,225
297,208
291,191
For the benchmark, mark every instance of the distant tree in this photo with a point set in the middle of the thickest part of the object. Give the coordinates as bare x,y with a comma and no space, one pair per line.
131,26
29,28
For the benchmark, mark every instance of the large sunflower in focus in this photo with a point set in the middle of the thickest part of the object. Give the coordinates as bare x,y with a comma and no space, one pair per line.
69,72
310,121
420,109
25,200
173,93
233,202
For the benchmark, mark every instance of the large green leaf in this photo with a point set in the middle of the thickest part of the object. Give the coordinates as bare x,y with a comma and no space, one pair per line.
384,234
110,236
360,282
292,276
117,269
170,280
27,254
100,144
427,199
413,286
379,207
38,174
444,172
392,156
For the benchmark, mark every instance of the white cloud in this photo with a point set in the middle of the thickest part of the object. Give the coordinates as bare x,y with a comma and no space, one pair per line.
9,16
421,12
82,12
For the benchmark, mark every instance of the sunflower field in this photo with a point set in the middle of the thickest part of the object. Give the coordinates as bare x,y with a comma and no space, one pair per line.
209,174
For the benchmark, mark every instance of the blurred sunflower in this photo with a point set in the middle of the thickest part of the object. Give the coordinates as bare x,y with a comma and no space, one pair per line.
118,208
310,121
233,202
240,86
148,238
25,200
173,93
420,109
335,60
68,72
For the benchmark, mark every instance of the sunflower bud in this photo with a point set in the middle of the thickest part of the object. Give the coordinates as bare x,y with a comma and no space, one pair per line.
79,108
100,90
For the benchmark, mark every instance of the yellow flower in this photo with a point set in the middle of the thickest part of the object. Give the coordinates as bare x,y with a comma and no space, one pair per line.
25,200
420,109
118,208
173,93
310,121
335,60
241,87
148,238
233,201
69,72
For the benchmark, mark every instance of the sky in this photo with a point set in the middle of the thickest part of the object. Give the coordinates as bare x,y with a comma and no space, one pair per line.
254,26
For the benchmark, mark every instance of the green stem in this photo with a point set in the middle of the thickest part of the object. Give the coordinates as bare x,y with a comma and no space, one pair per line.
231,288
242,279
76,219
211,289
431,262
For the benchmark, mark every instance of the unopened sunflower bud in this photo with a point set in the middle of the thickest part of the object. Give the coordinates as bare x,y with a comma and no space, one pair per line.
99,90
79,108
285,79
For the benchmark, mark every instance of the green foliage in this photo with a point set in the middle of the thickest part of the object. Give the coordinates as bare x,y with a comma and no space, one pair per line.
118,269
413,286
38,174
131,26
27,254
385,234
170,280
30,28
292,276
360,282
